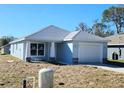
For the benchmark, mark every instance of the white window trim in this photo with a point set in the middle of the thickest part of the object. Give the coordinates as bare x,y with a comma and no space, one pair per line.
37,49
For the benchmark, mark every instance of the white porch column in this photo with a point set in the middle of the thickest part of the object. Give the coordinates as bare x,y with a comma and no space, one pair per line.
52,51
27,49
75,53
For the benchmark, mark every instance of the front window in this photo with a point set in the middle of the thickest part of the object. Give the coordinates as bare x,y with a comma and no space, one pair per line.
37,49
40,49
33,49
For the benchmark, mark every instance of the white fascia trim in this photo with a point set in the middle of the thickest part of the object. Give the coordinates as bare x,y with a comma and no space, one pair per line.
17,40
86,40
117,44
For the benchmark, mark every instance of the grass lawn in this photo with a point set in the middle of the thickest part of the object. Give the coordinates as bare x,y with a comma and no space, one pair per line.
78,76
116,60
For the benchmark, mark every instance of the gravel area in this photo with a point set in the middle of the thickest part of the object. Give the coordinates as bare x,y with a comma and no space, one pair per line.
13,71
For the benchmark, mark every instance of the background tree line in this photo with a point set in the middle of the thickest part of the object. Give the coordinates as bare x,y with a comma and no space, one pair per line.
5,40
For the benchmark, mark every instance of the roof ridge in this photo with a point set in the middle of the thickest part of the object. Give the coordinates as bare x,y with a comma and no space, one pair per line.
38,31
45,29
59,28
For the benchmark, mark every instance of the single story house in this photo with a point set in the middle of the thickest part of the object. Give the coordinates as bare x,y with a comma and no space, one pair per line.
5,49
116,47
56,44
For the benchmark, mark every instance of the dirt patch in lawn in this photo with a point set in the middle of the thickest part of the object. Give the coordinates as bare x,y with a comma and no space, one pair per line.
75,76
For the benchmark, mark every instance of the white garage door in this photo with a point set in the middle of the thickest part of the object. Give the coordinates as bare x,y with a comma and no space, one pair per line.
90,52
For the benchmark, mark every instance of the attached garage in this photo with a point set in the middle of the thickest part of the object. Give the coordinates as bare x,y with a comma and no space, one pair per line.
89,52
87,48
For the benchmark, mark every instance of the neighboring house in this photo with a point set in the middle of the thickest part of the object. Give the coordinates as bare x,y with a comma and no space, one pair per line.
5,49
56,44
116,47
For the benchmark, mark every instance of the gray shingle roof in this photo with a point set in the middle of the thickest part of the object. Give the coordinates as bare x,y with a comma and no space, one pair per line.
50,33
116,39
83,36
54,33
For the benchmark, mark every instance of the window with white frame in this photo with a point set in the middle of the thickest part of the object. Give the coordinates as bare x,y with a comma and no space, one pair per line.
37,49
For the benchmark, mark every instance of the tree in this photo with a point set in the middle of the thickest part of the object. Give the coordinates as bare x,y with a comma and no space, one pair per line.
83,27
109,32
5,40
116,16
98,28
101,29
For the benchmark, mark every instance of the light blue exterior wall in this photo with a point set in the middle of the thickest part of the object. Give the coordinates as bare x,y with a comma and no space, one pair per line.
17,50
65,52
22,50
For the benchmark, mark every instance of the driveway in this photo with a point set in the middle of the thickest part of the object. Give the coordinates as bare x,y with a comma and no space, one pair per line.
108,67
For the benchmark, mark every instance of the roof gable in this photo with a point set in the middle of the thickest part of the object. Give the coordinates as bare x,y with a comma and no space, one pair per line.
71,35
84,36
51,33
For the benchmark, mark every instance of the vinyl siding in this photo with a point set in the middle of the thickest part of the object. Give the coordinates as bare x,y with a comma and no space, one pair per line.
17,50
